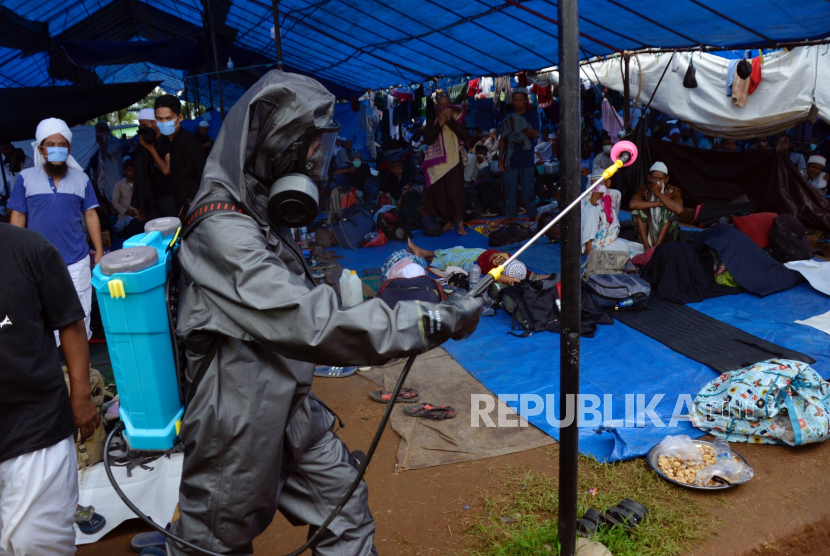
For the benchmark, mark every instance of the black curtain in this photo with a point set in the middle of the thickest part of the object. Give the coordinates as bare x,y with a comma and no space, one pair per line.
767,177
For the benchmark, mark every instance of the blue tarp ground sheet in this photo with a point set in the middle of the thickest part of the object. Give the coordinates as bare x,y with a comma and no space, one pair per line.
618,361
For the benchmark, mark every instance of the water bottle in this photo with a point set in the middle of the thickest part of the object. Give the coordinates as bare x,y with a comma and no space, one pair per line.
344,286
303,238
624,304
475,274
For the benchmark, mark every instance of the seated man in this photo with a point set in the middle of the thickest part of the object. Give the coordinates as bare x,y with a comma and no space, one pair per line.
354,175
459,256
600,220
656,207
489,190
815,174
392,181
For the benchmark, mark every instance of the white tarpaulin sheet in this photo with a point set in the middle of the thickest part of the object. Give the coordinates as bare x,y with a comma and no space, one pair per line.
155,492
819,322
816,272
782,99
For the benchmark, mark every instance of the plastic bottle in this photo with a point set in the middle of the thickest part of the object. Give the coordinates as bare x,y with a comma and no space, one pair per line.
624,304
475,274
303,238
351,288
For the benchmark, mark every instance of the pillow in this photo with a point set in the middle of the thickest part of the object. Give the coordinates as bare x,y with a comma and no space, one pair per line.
757,226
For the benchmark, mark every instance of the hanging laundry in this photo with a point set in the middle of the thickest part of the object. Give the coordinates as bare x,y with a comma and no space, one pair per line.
730,76
402,95
544,94
473,88
755,76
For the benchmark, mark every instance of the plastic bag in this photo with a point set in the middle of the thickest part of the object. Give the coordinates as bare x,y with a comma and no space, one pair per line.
374,239
681,447
728,468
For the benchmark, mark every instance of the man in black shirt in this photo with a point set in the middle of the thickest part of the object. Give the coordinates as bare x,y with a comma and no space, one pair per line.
151,190
392,181
185,161
38,419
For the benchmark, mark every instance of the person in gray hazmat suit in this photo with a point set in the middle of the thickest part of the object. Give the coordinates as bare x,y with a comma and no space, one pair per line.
256,440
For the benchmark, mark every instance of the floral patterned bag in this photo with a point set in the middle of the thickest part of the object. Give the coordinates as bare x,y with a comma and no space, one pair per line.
778,401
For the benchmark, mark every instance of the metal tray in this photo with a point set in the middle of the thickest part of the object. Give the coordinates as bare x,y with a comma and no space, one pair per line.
652,462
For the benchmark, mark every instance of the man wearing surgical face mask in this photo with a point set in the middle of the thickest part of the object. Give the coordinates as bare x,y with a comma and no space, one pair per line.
656,208
603,160
55,198
184,163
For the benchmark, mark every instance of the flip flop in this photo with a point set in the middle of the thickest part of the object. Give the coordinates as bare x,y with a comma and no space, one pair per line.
429,411
407,395
334,372
92,525
152,539
590,523
628,514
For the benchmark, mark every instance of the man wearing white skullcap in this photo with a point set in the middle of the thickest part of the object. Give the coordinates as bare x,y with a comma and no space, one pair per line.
55,198
815,174
656,208
492,142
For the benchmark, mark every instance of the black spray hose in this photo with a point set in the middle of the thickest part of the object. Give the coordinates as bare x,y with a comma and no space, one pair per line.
361,472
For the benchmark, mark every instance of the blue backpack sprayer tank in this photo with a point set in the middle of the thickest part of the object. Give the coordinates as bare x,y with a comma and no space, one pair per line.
131,288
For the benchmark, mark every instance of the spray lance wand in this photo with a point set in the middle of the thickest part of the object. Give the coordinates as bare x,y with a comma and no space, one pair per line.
624,153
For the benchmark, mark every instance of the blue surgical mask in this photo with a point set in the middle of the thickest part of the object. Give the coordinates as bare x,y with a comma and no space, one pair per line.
813,146
167,128
57,154
357,163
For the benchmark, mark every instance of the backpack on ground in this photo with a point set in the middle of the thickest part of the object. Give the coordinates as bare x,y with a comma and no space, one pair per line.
608,290
394,225
421,288
509,234
410,204
354,228
788,240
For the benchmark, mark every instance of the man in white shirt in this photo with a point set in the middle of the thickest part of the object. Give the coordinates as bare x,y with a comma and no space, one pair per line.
492,142
544,150
785,145
815,174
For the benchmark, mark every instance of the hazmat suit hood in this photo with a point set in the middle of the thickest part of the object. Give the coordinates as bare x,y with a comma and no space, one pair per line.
254,147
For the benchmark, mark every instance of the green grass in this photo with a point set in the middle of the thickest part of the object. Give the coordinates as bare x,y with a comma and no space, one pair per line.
520,517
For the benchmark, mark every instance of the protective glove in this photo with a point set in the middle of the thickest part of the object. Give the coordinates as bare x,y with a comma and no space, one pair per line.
455,318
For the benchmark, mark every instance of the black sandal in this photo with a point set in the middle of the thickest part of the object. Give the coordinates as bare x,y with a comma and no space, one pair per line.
628,514
429,411
590,523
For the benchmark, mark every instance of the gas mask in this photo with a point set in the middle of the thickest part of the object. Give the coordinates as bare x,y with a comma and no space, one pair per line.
293,200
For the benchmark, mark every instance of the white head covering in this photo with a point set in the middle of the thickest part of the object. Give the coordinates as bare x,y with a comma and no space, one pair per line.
659,167
817,159
517,270
46,128
674,131
551,136
204,124
146,114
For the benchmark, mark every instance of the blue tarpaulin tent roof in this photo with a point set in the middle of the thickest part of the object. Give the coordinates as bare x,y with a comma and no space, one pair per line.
357,44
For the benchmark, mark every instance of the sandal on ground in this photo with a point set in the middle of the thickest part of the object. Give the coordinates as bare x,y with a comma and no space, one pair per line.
628,514
590,523
91,525
152,539
407,395
334,372
429,411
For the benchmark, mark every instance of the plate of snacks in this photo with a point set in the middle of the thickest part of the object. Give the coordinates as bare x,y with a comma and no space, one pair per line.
698,464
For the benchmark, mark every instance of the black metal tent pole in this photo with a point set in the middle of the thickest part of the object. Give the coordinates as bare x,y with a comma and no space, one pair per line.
209,21
276,9
568,17
626,92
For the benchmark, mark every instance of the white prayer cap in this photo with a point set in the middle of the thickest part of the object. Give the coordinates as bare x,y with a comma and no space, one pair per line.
659,167
47,128
204,124
551,136
817,159
51,126
597,174
146,114
412,270
494,130
674,131
522,90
